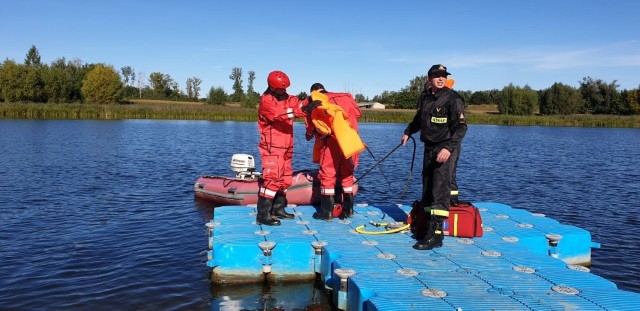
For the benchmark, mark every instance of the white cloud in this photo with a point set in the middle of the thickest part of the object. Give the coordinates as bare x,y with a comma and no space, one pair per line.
543,58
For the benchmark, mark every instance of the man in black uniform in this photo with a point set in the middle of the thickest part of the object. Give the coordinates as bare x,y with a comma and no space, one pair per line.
442,125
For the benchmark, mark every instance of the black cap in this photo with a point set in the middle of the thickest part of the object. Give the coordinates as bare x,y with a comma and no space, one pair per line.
316,86
437,69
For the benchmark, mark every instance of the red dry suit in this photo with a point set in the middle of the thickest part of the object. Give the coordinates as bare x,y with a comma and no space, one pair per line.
333,166
275,125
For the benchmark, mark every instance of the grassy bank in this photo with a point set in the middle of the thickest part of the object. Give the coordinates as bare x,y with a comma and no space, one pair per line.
169,110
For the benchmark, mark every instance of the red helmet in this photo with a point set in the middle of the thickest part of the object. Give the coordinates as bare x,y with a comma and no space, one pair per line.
278,80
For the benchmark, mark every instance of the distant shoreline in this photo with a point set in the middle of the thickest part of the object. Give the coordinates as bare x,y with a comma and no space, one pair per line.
168,110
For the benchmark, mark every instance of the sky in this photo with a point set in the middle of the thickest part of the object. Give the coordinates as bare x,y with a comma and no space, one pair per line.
361,47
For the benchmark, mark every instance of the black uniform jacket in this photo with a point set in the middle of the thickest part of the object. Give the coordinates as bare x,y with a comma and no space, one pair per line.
440,118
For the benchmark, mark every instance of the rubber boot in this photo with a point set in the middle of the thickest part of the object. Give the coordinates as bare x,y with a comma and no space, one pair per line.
434,236
264,212
326,208
419,220
347,205
279,203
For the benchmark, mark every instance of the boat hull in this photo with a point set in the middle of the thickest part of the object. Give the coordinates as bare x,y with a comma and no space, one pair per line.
304,190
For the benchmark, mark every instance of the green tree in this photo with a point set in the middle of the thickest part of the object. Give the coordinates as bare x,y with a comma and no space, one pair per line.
102,85
22,83
160,84
127,73
217,96
238,92
407,97
33,57
77,71
359,98
1,83
466,96
195,84
10,84
480,98
416,85
560,99
250,89
250,100
59,85
189,88
600,97
128,78
386,97
175,90
33,79
517,100
34,86
633,101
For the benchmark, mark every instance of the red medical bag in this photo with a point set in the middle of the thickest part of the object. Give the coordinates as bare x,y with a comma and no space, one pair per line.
464,220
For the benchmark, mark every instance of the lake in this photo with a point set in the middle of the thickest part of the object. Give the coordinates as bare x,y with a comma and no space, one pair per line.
101,214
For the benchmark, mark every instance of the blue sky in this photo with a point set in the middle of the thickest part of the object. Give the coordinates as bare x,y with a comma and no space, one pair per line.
362,47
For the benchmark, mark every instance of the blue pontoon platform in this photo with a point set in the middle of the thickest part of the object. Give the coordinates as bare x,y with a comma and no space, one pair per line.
524,261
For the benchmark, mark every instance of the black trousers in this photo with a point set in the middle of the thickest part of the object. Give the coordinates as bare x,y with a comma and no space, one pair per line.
455,155
436,180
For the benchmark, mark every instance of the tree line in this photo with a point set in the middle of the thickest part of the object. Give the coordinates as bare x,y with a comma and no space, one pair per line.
73,81
593,96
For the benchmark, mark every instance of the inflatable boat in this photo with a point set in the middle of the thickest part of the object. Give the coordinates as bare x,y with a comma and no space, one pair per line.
243,188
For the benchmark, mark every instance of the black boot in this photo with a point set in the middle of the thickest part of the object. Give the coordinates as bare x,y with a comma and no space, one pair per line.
279,203
434,236
419,220
264,212
347,205
326,208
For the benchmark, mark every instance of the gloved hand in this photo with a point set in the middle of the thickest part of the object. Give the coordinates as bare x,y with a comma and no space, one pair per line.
312,105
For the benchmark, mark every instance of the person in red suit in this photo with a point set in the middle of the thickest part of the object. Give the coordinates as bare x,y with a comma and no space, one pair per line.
276,112
334,168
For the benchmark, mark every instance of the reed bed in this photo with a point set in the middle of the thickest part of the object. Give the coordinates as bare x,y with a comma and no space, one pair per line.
157,111
169,110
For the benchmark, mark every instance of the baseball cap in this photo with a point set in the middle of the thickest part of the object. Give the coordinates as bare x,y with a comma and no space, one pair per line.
438,69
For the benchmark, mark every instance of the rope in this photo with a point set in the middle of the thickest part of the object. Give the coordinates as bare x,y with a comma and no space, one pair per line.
406,186
359,230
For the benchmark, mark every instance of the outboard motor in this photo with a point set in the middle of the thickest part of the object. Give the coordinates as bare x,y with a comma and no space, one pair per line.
244,166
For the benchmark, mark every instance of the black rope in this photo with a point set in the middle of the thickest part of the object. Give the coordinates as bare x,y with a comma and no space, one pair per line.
413,157
381,170
385,157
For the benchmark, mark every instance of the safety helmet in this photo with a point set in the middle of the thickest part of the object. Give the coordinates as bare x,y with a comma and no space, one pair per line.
278,80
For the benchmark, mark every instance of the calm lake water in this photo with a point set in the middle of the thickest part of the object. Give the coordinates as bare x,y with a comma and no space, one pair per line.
101,214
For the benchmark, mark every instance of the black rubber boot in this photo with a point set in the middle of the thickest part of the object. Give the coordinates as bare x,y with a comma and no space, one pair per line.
419,220
264,212
279,203
347,205
326,208
434,236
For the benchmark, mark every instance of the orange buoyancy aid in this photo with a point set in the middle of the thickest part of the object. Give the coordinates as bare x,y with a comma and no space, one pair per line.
449,83
331,119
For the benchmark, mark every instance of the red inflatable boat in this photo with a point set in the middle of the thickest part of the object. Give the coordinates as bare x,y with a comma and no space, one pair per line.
243,189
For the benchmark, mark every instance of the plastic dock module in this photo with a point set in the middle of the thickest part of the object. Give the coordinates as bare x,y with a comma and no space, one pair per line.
523,261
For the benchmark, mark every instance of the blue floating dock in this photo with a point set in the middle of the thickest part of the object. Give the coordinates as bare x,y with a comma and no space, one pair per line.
524,261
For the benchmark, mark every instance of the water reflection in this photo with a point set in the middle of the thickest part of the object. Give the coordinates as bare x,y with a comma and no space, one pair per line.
289,296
